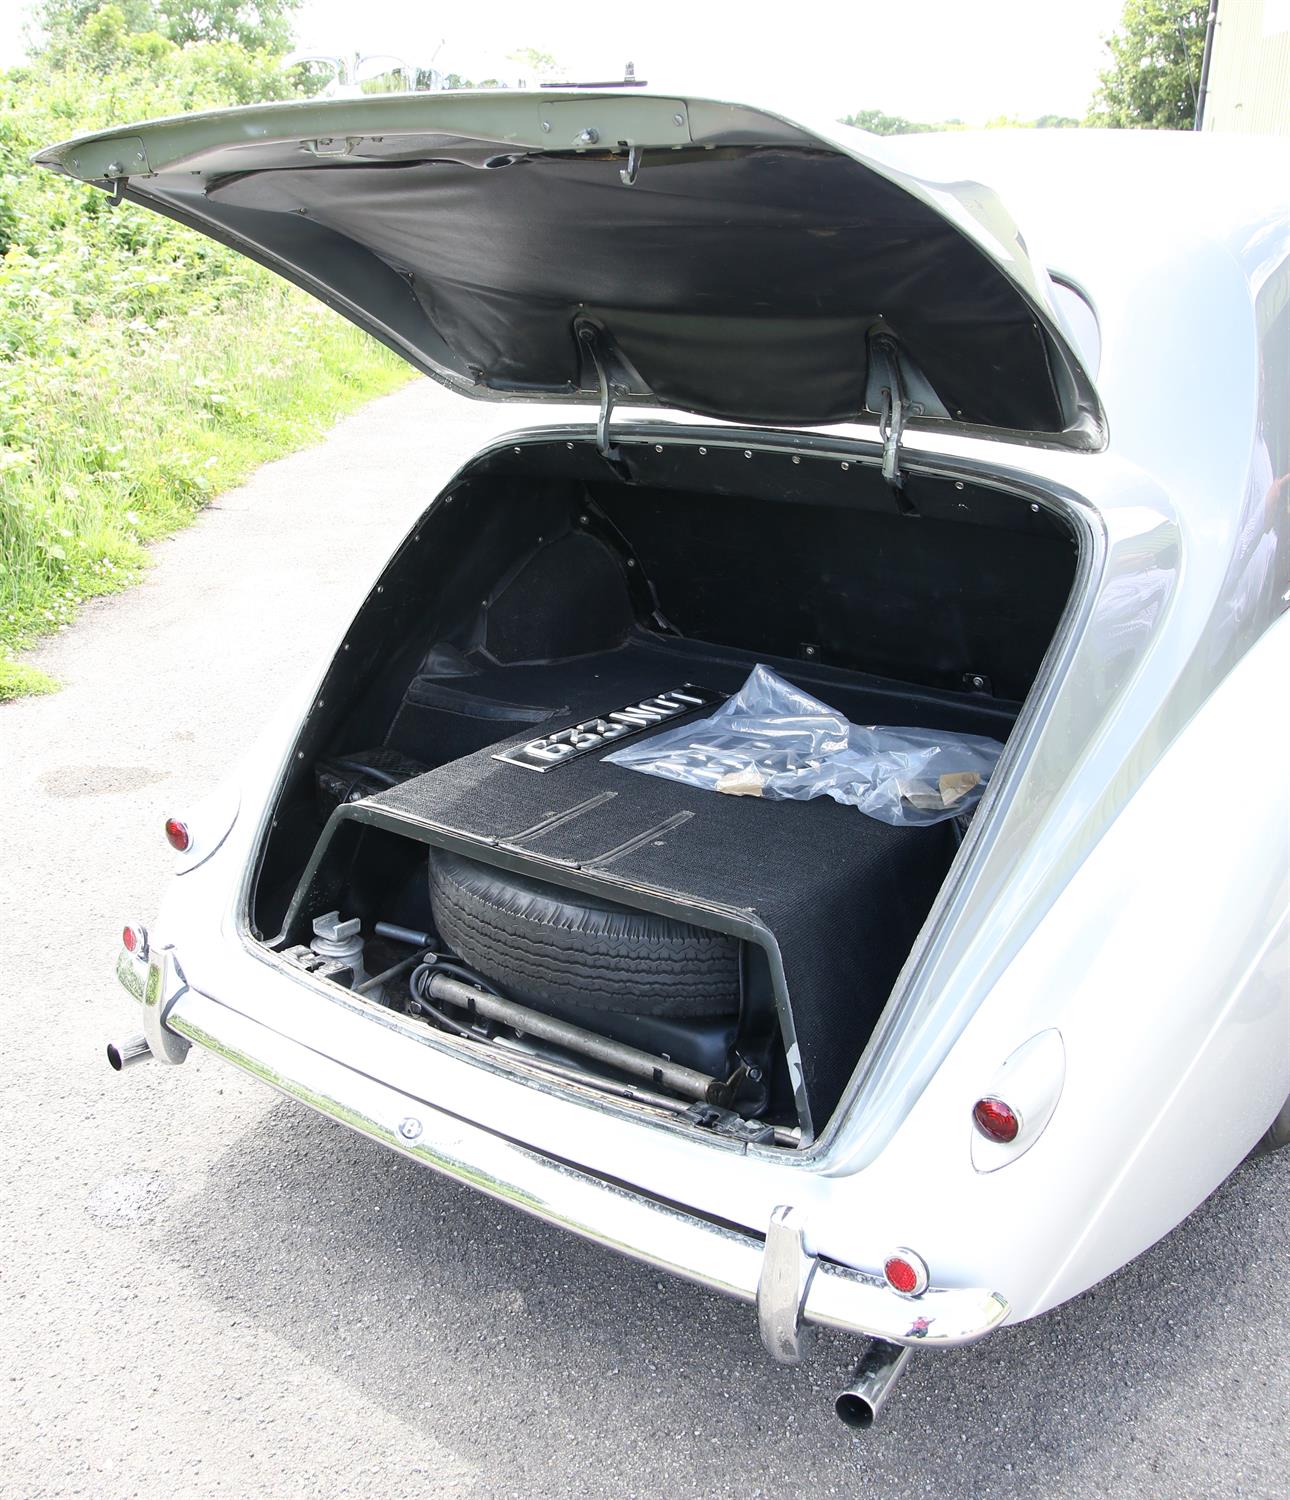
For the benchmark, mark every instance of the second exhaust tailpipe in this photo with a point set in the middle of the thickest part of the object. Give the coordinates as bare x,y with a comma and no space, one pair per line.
133,1050
883,1363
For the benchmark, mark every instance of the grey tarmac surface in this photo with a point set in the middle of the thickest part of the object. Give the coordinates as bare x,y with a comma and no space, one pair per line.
207,1291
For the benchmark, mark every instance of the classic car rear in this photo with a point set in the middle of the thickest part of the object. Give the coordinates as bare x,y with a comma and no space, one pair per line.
777,1045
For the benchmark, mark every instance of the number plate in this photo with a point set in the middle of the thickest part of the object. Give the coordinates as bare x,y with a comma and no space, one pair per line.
601,733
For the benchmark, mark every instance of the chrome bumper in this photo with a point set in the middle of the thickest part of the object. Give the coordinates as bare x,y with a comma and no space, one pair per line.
789,1285
132,973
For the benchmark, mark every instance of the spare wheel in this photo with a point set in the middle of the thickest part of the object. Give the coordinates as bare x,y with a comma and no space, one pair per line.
542,943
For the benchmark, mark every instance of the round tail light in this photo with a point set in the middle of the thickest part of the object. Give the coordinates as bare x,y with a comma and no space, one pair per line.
996,1120
906,1273
177,835
134,939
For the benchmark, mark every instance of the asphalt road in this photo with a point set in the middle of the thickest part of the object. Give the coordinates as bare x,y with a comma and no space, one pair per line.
207,1291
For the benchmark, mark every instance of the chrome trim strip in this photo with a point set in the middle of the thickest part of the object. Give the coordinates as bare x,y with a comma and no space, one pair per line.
715,1255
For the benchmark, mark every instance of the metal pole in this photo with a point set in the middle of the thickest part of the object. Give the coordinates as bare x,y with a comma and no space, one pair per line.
660,1071
1211,21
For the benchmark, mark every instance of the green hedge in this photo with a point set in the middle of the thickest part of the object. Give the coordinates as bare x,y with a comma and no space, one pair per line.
142,368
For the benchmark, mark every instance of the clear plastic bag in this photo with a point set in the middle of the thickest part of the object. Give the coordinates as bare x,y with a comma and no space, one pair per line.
774,740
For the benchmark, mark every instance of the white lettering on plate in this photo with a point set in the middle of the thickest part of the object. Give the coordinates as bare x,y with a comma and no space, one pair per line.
592,734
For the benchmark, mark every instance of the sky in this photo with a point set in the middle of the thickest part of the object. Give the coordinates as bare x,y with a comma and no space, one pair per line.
924,59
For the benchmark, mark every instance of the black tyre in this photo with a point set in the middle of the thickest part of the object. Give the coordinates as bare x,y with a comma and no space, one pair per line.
541,943
1277,1135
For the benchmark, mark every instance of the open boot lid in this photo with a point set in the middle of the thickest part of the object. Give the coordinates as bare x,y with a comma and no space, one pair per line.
593,247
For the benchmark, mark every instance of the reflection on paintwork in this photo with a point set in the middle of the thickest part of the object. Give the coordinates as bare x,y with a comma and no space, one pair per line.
1255,589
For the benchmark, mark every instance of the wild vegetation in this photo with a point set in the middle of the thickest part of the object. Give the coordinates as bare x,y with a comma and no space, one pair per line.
876,122
130,391
143,368
1152,83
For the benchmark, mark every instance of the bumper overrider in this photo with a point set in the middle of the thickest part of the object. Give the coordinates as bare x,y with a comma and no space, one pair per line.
790,1287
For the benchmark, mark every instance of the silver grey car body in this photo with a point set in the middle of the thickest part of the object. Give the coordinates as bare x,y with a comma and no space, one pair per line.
1124,888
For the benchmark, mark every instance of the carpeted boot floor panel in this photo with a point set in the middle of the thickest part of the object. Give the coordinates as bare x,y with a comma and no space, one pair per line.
843,895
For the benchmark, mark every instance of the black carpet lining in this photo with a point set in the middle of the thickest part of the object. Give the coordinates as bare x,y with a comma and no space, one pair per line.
843,895
444,719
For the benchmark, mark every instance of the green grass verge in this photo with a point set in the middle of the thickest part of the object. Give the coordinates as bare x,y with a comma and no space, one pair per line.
17,680
125,437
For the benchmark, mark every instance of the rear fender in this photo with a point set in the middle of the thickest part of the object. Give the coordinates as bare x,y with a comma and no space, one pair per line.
1169,955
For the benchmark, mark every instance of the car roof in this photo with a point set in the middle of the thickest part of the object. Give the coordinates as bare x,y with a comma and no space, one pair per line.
1133,186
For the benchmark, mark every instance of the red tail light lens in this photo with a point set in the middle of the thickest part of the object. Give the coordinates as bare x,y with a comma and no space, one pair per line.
177,835
134,939
906,1273
996,1120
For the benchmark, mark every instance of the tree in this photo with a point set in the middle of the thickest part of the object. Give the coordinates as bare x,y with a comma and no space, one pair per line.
538,64
107,38
106,42
1155,67
535,64
456,81
257,25
877,123
64,18
1044,122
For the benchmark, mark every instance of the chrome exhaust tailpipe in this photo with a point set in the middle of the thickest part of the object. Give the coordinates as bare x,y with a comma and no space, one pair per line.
134,1049
883,1364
